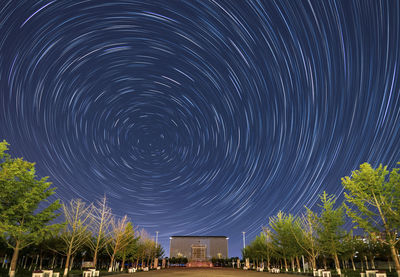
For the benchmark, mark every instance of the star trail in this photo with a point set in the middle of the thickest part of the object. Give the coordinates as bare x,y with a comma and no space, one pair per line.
200,117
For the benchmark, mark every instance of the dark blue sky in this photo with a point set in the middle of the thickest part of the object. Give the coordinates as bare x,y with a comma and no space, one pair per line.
200,117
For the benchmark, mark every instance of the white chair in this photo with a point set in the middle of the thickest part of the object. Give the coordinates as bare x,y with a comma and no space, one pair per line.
245,268
261,269
47,273
146,269
370,273
315,273
326,273
158,267
38,274
380,274
87,273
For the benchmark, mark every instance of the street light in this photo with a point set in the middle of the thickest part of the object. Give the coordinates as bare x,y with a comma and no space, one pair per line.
244,240
156,238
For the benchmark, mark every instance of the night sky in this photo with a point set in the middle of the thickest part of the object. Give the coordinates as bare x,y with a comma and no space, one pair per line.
200,117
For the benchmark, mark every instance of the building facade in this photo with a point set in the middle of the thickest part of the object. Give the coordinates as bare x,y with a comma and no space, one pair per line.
199,248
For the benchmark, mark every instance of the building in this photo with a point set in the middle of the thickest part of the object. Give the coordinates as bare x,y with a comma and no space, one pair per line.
199,248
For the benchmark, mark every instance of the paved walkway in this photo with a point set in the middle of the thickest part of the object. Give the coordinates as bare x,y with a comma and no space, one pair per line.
201,272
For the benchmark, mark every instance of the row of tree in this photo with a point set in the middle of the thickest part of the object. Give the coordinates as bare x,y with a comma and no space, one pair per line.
28,215
372,203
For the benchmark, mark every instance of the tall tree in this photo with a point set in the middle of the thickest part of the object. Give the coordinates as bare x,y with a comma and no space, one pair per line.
330,231
268,246
307,238
283,237
101,218
75,233
373,195
25,210
122,235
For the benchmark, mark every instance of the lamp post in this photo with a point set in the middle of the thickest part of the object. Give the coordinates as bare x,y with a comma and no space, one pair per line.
244,240
156,238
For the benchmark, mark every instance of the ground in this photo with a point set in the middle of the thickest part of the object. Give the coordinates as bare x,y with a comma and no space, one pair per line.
200,272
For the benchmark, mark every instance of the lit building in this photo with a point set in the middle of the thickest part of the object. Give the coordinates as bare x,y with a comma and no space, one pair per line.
199,248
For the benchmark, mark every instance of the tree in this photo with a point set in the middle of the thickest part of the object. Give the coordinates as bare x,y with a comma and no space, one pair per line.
75,233
350,248
283,237
24,216
373,200
306,238
268,246
122,235
101,218
329,229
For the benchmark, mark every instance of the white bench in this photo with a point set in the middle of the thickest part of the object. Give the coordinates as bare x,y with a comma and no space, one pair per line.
370,273
132,270
275,270
56,274
95,273
47,273
146,269
380,274
38,274
87,273
326,273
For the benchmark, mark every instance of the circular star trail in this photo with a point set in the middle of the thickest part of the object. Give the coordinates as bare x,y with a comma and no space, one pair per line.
200,117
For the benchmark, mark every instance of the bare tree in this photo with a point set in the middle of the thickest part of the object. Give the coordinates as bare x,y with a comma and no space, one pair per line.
75,234
101,218
307,238
122,233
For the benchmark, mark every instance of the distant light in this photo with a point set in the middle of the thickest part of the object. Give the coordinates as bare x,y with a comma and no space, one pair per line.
227,238
170,237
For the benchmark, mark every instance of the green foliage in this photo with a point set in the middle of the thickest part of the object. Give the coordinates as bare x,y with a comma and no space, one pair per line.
283,235
374,198
23,219
329,229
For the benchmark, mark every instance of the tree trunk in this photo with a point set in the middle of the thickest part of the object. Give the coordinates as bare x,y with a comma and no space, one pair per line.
37,259
298,264
292,261
286,267
324,260
123,262
14,259
52,262
366,262
111,263
41,261
67,263
337,263
395,259
72,263
352,263
372,262
26,261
